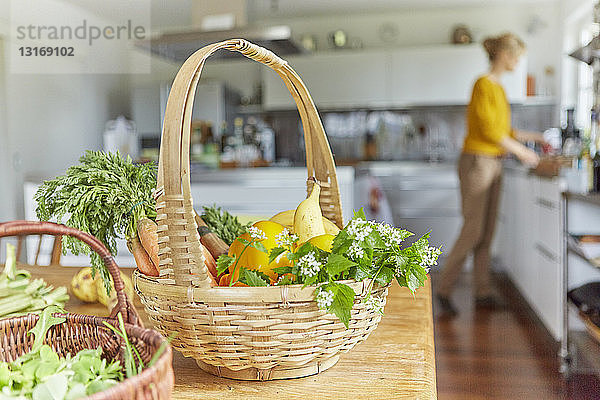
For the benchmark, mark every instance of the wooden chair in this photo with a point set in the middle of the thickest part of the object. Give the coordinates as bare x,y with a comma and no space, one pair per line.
55,253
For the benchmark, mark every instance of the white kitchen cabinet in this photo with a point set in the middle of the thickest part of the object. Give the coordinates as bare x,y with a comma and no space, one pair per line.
531,247
445,75
334,80
423,198
403,77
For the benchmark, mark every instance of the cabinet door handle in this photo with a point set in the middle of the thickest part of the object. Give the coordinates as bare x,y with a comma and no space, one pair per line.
545,203
546,253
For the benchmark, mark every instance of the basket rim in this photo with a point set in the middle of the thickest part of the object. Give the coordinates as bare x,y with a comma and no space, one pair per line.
150,286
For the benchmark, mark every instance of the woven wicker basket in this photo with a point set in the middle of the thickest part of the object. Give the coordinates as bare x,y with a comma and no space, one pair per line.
251,333
80,332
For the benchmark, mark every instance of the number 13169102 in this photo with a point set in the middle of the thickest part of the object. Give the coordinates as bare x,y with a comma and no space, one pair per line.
47,51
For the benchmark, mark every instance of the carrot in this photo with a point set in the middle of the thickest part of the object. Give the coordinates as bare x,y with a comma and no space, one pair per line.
210,240
142,259
147,232
209,261
225,281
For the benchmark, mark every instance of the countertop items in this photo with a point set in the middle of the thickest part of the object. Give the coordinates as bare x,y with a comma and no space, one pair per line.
398,359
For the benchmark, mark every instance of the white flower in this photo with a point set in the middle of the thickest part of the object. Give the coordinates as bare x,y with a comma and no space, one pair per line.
429,257
359,229
256,233
324,299
284,239
390,234
374,304
309,265
355,252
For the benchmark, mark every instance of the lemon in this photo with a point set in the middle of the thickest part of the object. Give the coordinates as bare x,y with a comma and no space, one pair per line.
255,259
323,242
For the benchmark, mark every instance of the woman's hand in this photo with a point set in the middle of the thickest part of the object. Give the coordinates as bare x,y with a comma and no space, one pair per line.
524,154
528,157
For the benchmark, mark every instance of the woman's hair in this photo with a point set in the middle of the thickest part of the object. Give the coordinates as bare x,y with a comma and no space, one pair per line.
493,45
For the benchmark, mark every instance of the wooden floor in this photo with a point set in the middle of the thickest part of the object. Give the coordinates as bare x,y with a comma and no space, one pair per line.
503,354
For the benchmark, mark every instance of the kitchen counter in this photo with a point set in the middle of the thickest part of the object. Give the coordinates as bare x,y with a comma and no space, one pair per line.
423,196
397,360
591,198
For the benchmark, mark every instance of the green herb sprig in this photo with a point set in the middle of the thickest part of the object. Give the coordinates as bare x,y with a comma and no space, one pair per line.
105,195
226,262
221,222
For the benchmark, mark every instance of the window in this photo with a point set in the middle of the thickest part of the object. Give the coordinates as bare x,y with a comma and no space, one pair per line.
585,89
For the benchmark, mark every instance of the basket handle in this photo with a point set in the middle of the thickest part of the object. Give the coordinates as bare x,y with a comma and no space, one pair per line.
179,243
124,305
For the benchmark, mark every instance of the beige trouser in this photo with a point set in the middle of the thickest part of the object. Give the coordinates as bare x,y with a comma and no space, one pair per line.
480,180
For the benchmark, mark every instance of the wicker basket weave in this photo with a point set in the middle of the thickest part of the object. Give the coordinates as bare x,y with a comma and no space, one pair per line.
252,333
80,332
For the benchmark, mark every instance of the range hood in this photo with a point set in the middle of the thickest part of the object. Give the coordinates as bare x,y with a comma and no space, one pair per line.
178,46
589,52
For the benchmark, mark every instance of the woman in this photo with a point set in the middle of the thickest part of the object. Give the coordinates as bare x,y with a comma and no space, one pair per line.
489,137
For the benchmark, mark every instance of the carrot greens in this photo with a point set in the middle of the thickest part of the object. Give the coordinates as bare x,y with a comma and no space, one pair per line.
105,195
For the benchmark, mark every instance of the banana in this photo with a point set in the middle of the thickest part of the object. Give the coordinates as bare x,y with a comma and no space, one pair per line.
286,218
308,220
330,227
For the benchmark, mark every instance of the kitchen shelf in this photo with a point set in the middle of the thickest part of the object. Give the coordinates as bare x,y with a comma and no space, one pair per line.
579,351
574,247
540,101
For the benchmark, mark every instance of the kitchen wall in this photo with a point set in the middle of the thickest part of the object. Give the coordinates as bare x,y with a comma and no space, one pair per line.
6,193
50,121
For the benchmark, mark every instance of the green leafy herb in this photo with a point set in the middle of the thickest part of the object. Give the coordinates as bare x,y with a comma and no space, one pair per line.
253,278
131,366
276,252
224,262
105,195
46,321
337,298
337,263
362,250
225,225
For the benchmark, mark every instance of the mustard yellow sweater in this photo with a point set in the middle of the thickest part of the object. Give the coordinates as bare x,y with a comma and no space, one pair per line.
488,119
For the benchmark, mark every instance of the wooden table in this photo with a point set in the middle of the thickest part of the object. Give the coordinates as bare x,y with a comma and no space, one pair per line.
396,361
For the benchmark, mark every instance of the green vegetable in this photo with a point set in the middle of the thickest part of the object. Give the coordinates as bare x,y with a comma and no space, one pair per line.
19,295
253,278
105,195
41,374
225,225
